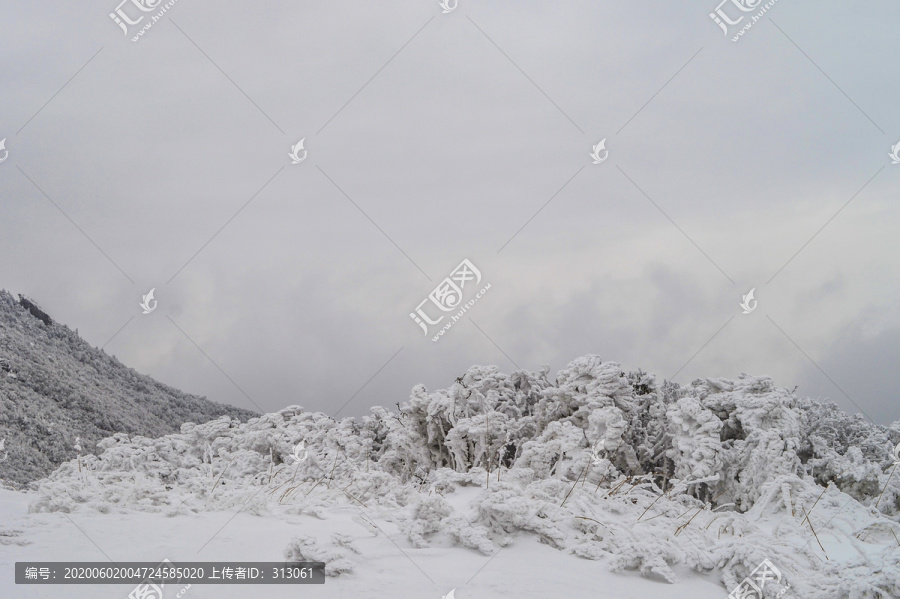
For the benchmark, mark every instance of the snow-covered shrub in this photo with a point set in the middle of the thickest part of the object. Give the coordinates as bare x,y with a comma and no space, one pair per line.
600,463
334,555
424,517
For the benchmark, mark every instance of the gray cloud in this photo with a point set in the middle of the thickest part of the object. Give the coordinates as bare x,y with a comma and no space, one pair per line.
444,152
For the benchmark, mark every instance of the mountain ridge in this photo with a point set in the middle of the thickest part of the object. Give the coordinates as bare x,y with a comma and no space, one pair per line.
56,388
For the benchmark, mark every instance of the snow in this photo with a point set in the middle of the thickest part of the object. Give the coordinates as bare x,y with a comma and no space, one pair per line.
526,568
597,483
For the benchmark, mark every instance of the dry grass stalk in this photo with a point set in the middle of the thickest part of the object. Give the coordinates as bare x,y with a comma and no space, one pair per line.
820,496
711,521
616,489
290,482
591,519
344,491
600,482
583,474
813,506
212,490
815,535
648,507
681,528
324,477
273,489
639,481
331,474
886,484
314,486
709,503
287,492
487,442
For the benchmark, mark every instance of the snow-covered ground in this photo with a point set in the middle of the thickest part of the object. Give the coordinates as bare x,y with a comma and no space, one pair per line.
596,484
526,568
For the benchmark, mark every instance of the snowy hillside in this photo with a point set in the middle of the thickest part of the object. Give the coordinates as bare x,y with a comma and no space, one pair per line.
55,387
594,483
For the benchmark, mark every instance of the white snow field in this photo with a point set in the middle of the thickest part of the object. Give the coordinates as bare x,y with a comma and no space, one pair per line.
596,484
525,569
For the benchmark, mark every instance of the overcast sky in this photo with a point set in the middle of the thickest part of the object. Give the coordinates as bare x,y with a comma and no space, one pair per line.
435,137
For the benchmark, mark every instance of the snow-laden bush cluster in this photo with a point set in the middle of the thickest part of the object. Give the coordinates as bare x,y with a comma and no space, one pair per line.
716,475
